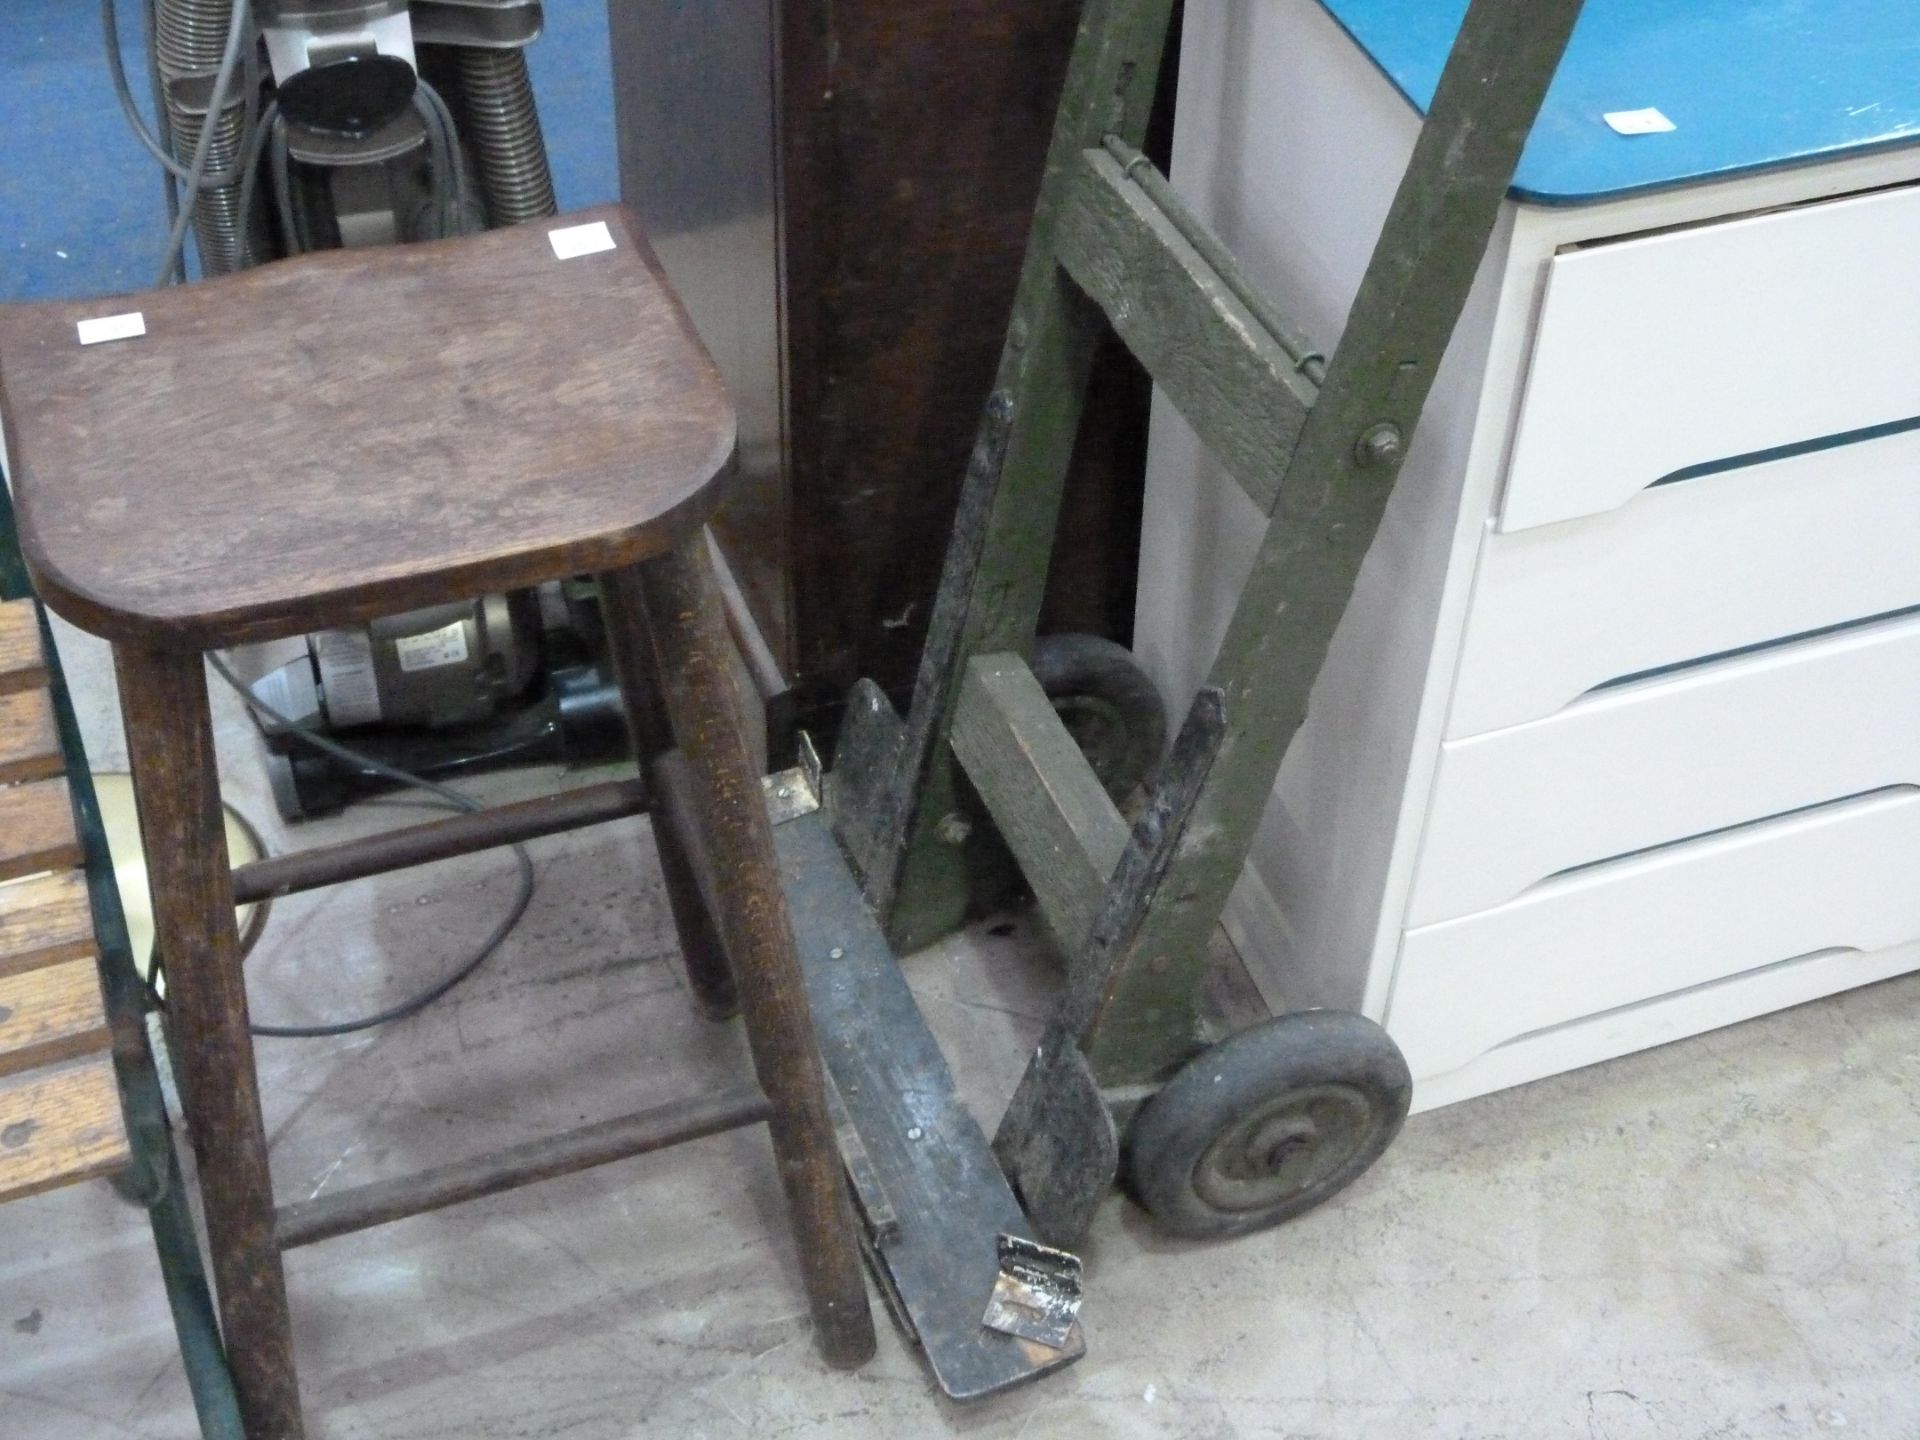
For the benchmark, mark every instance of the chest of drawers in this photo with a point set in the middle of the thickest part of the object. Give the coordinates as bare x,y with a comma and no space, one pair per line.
1620,739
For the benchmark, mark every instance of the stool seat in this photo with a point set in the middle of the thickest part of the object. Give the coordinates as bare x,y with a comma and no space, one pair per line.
354,432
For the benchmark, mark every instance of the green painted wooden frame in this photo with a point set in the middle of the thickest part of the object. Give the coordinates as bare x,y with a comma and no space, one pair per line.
1317,442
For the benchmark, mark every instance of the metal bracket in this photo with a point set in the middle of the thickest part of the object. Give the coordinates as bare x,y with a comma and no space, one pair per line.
1037,1296
790,794
928,1187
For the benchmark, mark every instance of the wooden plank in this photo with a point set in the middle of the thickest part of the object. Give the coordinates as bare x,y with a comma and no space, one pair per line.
1049,806
51,1014
59,1126
22,666
43,921
1228,374
29,739
36,829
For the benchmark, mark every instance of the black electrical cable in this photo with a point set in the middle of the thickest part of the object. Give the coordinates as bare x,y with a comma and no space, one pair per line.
447,794
438,212
250,165
446,160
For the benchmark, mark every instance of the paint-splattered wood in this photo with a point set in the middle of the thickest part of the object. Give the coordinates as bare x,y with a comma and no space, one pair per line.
29,739
36,829
1044,798
59,1125
360,431
51,1014
22,667
1234,380
43,921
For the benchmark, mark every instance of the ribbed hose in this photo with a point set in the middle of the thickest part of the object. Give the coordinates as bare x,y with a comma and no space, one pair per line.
188,38
189,35
216,220
504,128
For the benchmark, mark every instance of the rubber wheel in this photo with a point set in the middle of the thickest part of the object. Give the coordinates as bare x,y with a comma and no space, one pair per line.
1268,1124
1109,706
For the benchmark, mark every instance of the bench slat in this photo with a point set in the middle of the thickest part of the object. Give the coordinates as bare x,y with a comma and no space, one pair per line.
44,921
22,666
51,1014
36,829
29,738
59,1125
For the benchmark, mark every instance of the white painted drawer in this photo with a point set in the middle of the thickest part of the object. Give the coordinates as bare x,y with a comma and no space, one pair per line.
1681,571
1837,878
1667,758
1696,345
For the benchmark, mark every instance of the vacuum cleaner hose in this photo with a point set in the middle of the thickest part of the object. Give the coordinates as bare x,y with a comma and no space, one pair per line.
503,126
189,37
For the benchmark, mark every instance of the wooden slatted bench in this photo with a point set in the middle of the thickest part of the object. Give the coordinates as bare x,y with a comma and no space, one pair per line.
60,1118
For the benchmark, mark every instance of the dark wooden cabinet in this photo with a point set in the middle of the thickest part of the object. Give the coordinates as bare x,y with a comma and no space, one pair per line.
841,191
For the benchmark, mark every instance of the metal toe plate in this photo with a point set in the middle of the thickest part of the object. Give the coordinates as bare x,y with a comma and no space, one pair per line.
926,1164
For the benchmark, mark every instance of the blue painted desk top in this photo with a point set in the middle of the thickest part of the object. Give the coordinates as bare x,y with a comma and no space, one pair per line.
1748,84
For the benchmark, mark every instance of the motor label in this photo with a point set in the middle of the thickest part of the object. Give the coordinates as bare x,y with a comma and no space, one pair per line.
345,662
445,646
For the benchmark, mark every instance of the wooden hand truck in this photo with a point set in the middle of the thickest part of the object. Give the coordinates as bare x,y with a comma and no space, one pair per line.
1220,1138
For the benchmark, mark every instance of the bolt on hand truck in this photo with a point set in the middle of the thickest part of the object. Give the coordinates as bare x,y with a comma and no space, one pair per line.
1221,1136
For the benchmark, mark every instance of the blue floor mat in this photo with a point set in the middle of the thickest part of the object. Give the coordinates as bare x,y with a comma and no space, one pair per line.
80,202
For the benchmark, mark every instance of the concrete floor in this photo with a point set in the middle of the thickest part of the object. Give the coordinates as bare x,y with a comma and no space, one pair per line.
1715,1239
1718,1238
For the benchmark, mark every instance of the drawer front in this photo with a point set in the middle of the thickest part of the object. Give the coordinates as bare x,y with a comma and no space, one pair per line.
1697,345
1665,759
1695,568
1836,878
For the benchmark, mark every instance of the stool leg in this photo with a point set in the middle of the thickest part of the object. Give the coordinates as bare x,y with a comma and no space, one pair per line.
702,953
689,636
170,745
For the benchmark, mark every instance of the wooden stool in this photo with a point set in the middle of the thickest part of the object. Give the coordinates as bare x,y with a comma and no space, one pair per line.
350,434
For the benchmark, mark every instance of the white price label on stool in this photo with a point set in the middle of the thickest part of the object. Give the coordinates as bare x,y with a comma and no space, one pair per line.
574,240
112,327
1638,122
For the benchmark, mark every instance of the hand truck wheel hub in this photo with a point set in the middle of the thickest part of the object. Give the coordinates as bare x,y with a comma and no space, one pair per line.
1285,1149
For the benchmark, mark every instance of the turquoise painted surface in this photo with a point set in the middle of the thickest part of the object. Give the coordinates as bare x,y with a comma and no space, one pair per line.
1749,85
